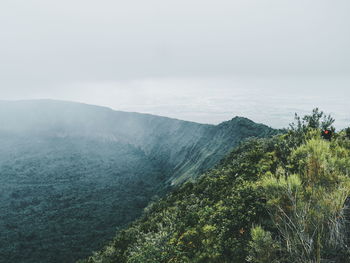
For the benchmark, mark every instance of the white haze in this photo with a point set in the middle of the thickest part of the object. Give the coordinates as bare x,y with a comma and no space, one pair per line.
204,61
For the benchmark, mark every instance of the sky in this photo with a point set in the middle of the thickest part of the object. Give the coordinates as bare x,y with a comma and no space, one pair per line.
198,60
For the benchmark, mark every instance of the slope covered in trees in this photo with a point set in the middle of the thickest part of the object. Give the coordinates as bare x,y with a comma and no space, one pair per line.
72,174
282,199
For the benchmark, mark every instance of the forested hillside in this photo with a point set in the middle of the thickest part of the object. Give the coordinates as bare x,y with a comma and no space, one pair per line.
282,199
72,174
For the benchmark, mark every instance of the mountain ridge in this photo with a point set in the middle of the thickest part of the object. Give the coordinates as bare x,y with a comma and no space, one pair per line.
68,168
278,199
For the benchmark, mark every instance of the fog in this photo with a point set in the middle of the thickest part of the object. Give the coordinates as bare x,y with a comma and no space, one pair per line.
204,61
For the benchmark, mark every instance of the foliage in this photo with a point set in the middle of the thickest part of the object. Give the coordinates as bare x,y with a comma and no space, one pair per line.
316,120
281,199
63,198
262,247
347,131
71,174
205,221
308,208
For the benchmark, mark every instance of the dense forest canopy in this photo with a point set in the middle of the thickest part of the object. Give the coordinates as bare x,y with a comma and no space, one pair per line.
283,199
72,174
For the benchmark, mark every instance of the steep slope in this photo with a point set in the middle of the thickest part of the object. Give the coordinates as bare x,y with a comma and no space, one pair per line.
202,221
167,140
216,143
282,199
71,174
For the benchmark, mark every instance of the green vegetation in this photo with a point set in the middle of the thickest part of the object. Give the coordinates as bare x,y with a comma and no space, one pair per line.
71,175
62,198
277,200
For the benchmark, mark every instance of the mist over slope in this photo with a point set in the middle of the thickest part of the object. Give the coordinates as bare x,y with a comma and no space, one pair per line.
71,174
283,199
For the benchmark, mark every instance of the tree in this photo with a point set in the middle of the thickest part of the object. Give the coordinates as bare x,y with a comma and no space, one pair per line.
316,120
308,207
347,132
262,248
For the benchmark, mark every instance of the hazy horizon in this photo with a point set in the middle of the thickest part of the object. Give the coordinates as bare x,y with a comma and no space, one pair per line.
268,108
81,183
191,60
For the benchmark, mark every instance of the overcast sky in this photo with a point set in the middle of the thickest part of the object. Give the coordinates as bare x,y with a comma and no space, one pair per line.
199,60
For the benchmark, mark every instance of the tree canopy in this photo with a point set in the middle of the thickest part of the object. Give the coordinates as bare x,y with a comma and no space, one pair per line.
277,200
